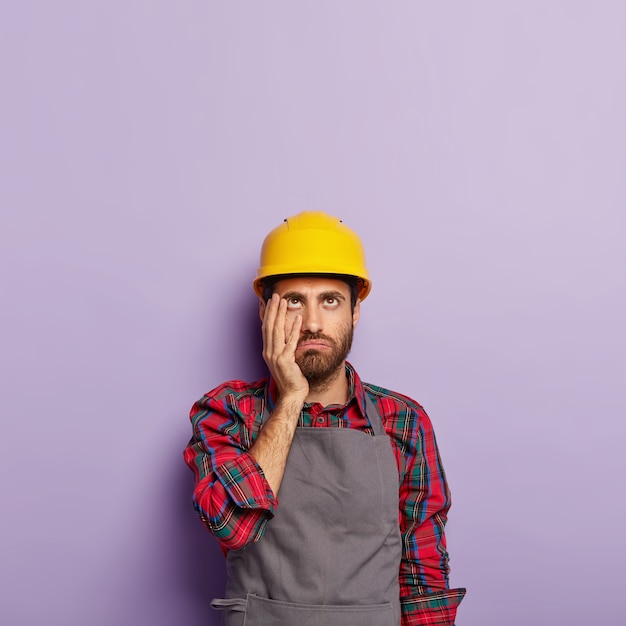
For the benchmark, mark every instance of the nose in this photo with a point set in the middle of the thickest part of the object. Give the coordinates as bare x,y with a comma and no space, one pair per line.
311,319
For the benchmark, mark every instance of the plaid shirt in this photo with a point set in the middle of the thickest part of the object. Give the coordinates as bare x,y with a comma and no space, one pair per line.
235,501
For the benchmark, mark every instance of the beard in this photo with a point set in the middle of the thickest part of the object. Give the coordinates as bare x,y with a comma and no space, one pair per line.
321,367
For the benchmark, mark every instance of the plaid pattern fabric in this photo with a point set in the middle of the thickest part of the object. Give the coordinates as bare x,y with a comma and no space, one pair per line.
432,609
235,501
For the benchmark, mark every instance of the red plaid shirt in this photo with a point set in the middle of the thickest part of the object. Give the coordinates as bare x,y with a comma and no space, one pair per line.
235,501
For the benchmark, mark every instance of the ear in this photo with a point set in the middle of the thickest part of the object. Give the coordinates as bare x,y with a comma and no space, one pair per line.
357,313
262,306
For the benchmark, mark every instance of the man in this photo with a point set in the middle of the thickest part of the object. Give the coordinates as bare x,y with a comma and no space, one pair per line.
327,494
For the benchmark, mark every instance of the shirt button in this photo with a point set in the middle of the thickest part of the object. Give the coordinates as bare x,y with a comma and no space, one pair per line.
320,420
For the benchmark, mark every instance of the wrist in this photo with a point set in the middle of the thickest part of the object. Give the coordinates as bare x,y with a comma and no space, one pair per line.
290,404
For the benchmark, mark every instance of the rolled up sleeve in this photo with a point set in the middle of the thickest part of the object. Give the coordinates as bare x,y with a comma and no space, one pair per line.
231,494
432,609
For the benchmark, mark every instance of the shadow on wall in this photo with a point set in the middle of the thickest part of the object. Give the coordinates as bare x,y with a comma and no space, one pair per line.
235,351
200,573
234,345
167,567
197,568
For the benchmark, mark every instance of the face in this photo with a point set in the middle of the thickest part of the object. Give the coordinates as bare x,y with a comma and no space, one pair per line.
327,323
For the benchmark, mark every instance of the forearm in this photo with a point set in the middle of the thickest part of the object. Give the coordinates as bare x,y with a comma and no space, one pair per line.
271,448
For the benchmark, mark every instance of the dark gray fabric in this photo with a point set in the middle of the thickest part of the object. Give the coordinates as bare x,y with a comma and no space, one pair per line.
331,555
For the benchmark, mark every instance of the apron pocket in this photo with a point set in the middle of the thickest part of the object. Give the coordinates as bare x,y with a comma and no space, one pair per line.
263,612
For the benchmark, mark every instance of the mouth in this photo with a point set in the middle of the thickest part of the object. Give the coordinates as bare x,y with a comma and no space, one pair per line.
313,344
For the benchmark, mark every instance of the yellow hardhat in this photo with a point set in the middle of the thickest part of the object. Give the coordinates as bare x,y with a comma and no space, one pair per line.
313,242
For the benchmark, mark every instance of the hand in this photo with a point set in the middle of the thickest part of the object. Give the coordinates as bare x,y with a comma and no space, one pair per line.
280,340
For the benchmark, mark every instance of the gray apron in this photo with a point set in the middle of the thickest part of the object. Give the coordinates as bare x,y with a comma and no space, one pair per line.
331,555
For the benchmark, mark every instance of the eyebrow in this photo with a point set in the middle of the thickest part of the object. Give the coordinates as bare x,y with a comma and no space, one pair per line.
332,294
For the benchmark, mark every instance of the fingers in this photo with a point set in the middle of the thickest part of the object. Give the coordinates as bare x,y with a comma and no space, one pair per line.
280,331
293,334
276,328
269,322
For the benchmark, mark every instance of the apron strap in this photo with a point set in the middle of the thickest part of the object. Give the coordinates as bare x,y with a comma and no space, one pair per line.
374,417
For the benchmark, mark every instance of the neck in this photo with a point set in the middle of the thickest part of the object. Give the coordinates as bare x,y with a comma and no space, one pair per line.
333,390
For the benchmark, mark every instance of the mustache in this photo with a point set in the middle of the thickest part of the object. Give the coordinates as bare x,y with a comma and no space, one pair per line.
307,335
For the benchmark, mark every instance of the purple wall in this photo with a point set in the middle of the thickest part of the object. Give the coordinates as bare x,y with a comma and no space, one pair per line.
147,147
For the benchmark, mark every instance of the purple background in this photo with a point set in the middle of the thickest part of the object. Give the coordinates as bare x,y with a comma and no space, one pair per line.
479,149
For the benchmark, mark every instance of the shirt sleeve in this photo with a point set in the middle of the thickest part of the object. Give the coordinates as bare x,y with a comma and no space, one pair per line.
231,494
437,608
426,598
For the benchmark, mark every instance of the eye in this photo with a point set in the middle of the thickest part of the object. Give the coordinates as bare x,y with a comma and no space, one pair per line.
293,303
331,301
